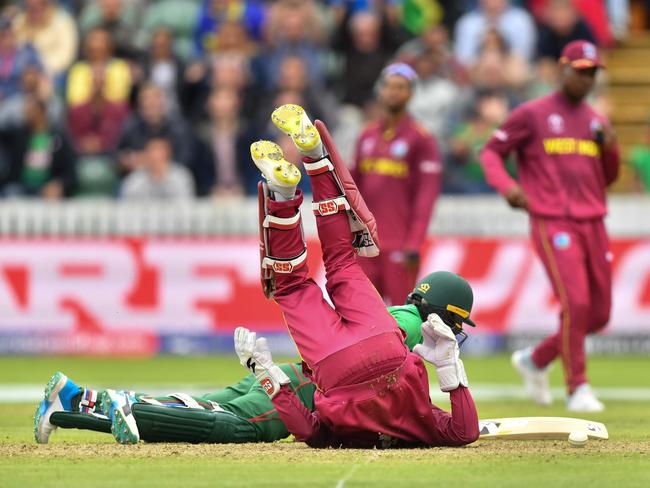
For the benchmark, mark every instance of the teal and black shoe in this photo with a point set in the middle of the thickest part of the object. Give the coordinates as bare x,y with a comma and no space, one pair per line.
58,395
117,405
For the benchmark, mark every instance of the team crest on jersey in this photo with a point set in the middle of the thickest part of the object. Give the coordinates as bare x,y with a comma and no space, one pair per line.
556,123
367,146
399,148
561,241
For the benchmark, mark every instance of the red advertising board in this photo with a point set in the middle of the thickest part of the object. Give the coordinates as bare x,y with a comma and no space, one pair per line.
121,295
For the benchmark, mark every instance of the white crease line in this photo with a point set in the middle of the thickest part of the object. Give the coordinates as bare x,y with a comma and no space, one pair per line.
341,483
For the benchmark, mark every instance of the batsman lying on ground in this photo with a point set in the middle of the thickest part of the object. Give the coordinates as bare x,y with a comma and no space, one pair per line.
242,412
372,392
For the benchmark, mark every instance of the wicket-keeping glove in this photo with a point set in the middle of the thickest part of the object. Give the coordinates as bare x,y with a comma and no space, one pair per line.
254,355
440,348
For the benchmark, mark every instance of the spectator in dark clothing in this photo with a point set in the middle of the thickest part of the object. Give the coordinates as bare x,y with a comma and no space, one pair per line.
562,24
33,83
293,77
36,159
163,68
95,126
14,60
118,18
227,137
152,120
367,44
294,30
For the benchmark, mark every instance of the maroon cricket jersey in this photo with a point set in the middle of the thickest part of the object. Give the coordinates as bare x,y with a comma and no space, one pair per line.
391,410
398,173
560,165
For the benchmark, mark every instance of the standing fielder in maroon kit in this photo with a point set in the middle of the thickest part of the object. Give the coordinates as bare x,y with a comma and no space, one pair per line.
567,155
398,171
371,390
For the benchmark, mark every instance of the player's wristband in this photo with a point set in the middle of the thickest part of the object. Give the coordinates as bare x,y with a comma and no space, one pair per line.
272,379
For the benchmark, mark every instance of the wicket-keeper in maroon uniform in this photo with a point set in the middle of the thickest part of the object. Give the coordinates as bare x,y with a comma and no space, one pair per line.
371,390
567,155
397,168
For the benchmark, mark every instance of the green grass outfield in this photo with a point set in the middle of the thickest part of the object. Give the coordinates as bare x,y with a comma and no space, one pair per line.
75,458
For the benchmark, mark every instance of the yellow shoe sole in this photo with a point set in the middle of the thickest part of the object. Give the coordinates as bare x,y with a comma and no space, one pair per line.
269,159
292,120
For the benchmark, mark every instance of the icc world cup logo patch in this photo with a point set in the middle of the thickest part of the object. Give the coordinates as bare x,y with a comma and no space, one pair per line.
561,241
556,123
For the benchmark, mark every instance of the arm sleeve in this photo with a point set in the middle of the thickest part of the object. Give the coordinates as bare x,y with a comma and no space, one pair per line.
232,392
460,427
512,134
303,424
409,323
428,169
611,160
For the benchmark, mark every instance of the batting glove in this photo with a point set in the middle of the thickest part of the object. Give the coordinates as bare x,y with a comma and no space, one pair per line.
254,354
440,348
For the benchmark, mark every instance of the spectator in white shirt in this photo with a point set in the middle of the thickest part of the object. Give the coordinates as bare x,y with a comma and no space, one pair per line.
513,23
159,178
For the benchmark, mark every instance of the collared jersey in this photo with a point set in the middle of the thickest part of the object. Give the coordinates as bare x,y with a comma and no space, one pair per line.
560,165
398,173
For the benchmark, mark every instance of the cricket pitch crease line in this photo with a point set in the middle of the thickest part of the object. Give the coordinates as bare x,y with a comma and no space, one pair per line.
25,393
373,457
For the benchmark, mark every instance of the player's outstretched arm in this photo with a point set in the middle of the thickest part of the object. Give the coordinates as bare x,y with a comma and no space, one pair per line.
440,348
254,354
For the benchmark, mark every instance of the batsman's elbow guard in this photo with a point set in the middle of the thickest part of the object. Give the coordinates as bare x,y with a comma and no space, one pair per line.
272,379
451,376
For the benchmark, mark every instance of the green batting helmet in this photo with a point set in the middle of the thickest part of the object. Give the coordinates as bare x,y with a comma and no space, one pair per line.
447,294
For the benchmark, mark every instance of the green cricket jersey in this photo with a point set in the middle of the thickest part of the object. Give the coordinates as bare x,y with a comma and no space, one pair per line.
409,320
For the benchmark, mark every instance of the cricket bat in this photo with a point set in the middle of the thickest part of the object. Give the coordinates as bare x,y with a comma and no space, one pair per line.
532,428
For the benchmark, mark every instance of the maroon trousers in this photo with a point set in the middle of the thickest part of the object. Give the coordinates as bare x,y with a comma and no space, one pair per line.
356,340
576,256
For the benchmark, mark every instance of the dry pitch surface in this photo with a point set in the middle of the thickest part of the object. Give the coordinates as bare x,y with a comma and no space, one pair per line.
76,457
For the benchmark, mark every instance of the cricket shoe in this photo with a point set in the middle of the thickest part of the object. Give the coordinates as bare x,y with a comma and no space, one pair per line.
117,406
281,175
293,121
57,397
535,379
583,399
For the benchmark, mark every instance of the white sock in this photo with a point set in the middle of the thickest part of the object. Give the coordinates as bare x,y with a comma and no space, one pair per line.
282,194
316,153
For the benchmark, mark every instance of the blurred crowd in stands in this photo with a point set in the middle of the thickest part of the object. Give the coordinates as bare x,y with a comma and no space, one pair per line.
161,99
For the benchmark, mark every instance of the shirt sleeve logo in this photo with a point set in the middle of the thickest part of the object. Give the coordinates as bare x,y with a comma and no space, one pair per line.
431,167
555,123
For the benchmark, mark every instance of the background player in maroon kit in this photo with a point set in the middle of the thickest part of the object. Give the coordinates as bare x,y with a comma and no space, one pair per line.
398,171
371,390
567,155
